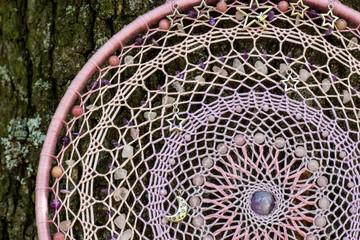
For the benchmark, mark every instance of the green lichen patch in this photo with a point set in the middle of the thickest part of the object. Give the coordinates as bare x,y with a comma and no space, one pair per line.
24,134
4,75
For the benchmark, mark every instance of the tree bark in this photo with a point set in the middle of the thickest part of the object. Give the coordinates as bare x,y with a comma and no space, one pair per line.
43,44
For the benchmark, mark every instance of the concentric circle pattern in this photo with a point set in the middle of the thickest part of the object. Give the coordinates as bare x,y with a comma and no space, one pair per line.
273,110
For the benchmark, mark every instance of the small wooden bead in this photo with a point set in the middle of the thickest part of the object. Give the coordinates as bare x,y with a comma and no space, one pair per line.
283,6
59,236
114,60
56,172
77,111
341,24
164,24
221,6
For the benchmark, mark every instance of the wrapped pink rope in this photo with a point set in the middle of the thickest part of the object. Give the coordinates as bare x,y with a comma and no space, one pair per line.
247,128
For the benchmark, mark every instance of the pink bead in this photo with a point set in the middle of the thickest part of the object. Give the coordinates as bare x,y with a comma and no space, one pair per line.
221,6
313,165
164,221
322,181
311,237
283,6
194,201
59,236
77,111
280,142
198,221
198,180
239,140
114,60
222,148
259,138
324,203
207,162
325,134
300,151
208,237
320,221
164,24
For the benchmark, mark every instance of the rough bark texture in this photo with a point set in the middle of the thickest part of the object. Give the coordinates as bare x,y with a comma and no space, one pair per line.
43,44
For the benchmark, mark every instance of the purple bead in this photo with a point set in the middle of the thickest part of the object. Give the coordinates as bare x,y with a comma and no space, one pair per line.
328,31
55,204
113,237
107,191
201,64
139,40
179,74
159,88
212,21
192,13
127,122
271,15
310,64
246,55
115,143
335,77
265,55
262,202
105,82
312,13
109,212
222,57
288,57
65,140
355,89
94,85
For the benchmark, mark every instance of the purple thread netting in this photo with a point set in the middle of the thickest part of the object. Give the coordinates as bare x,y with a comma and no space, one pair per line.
242,134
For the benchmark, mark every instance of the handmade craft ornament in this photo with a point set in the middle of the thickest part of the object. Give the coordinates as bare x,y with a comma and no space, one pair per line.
200,9
294,7
174,15
221,6
172,122
327,16
290,83
181,212
215,158
261,17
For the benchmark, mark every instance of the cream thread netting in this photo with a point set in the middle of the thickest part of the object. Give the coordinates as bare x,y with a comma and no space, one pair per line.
216,110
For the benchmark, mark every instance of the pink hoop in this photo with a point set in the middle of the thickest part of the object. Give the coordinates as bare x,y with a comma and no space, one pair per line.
140,24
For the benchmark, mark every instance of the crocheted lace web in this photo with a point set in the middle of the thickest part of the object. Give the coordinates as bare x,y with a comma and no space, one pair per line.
123,166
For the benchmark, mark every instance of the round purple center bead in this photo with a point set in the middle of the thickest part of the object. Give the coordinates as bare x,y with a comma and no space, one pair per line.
262,202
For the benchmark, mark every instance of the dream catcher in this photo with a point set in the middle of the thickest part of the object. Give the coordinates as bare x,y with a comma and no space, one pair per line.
211,120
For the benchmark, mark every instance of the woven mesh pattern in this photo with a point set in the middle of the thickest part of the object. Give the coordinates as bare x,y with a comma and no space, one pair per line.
242,133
